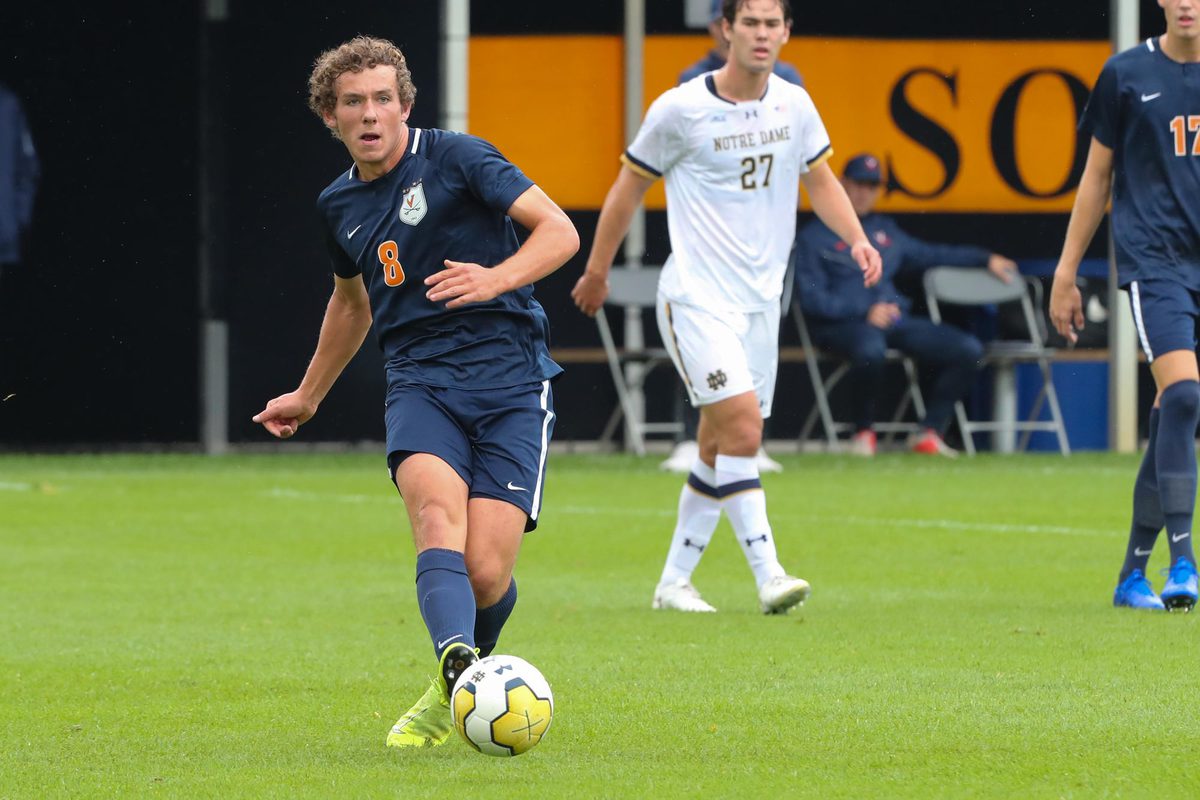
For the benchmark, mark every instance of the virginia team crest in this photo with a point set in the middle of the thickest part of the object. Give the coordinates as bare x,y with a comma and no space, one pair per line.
413,204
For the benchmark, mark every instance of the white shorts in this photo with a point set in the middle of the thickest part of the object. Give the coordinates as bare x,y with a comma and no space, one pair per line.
721,354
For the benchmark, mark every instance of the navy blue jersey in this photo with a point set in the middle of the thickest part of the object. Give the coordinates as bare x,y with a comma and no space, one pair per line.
712,61
447,198
829,282
1146,107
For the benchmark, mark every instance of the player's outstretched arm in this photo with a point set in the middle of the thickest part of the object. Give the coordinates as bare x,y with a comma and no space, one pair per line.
832,205
615,215
347,320
1091,200
552,240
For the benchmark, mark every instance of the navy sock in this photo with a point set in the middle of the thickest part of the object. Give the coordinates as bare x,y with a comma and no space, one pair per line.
1147,511
445,597
1180,410
490,621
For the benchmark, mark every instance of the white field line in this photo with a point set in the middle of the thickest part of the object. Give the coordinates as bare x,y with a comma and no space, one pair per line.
15,486
792,519
875,522
327,497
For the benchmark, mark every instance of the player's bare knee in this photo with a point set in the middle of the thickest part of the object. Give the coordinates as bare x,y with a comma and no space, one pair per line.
489,581
434,524
743,437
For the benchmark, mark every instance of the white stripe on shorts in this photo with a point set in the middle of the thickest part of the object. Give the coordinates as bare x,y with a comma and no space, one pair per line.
537,492
1136,296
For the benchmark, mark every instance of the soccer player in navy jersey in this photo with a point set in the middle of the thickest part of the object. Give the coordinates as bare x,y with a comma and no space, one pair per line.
421,242
1144,119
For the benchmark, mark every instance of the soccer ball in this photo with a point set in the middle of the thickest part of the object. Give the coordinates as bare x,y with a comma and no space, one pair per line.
502,705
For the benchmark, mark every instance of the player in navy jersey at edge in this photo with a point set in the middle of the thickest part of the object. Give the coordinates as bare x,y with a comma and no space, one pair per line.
421,242
1144,119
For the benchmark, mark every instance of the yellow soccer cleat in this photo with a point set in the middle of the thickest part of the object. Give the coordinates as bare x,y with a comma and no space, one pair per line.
428,722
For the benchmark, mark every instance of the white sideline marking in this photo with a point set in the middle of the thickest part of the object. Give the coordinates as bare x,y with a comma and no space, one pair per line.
12,486
323,497
950,524
876,522
795,519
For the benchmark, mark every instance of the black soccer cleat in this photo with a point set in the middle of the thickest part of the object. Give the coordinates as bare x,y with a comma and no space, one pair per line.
455,659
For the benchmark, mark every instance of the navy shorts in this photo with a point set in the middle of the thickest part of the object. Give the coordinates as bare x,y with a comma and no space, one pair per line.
1165,314
495,439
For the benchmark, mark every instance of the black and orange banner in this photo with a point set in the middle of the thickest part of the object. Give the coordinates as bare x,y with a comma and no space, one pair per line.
967,126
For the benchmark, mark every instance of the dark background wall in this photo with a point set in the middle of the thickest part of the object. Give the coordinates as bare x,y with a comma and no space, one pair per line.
99,329
99,334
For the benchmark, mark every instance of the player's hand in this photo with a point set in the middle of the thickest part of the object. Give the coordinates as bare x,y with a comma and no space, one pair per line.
462,282
1066,307
284,415
868,260
883,315
1003,268
590,292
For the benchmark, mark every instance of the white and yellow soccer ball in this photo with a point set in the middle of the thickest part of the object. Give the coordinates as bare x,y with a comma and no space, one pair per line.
502,705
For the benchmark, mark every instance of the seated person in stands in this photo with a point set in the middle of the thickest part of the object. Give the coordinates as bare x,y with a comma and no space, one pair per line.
861,323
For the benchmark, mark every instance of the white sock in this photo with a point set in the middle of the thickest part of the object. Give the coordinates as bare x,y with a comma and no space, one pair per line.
699,513
745,502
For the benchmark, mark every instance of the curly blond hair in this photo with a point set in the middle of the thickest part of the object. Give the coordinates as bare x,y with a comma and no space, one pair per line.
361,52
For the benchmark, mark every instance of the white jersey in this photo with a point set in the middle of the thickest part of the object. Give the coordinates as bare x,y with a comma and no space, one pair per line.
732,173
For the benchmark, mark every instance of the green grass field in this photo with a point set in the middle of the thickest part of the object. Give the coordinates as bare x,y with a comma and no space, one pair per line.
176,626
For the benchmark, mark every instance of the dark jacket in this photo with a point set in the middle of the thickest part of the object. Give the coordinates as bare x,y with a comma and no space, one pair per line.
830,286
19,172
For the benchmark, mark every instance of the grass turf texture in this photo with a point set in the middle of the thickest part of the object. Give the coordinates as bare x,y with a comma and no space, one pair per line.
246,627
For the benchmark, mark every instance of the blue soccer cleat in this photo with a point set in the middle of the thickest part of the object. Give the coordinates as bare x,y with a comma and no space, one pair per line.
1135,592
1179,593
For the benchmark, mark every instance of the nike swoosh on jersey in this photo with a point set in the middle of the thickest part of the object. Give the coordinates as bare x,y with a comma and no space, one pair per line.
350,235
1146,98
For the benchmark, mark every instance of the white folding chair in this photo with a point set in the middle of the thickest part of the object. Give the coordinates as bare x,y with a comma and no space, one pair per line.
823,386
967,286
632,290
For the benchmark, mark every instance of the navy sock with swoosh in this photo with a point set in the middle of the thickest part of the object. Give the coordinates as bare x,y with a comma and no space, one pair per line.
445,597
1147,512
1176,461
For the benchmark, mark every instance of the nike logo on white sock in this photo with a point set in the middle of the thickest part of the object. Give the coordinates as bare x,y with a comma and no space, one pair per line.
1179,537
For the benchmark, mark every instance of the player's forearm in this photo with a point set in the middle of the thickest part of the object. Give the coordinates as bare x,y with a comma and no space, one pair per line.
1091,201
616,214
342,332
831,204
551,244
